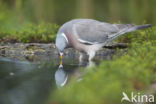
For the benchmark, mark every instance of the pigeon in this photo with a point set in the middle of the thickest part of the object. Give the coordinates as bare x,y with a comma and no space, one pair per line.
88,35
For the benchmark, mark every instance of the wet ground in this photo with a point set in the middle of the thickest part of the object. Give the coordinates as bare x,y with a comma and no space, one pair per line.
29,72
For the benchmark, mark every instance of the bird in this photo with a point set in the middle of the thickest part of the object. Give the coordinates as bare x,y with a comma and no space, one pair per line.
89,35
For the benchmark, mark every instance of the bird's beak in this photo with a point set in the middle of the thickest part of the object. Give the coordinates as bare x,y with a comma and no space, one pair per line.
61,65
61,55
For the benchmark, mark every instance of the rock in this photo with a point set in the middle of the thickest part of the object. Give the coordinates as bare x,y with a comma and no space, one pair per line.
40,51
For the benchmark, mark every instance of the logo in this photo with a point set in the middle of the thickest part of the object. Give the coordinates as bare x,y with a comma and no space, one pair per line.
138,98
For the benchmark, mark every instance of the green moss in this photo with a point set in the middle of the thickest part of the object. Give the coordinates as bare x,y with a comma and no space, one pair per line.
29,32
104,84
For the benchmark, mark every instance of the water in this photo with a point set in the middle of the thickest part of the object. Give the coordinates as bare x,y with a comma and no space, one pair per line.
30,79
26,82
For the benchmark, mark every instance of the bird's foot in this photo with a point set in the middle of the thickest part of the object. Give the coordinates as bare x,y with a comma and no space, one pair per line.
90,64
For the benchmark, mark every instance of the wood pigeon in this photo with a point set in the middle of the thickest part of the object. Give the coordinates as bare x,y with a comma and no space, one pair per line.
88,35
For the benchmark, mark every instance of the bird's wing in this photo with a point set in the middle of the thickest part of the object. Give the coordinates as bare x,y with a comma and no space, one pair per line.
93,32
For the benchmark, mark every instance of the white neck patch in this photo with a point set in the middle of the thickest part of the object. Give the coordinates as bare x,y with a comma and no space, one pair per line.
63,34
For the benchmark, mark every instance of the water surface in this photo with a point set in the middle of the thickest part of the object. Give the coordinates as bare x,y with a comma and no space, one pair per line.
31,79
26,82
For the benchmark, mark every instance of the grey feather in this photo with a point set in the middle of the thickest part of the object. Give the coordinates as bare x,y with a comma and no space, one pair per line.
126,28
93,31
90,31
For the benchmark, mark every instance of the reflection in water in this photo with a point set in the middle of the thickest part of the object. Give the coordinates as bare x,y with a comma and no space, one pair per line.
61,76
26,82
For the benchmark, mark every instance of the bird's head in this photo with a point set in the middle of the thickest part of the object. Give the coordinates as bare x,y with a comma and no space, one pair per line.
61,43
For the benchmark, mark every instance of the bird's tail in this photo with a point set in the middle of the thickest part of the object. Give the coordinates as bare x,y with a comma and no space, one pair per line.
126,28
134,28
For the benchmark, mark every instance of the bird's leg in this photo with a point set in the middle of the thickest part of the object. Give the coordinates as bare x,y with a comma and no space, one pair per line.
91,55
81,58
90,64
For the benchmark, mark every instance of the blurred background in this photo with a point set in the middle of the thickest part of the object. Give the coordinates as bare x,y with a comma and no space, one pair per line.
59,11
37,21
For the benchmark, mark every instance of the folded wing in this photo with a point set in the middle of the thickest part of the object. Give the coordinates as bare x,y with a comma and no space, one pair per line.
93,32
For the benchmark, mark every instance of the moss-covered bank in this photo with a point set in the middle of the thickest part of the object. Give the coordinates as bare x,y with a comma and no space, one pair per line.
29,33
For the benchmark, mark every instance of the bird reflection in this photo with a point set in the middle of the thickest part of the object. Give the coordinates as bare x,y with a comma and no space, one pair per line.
61,76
